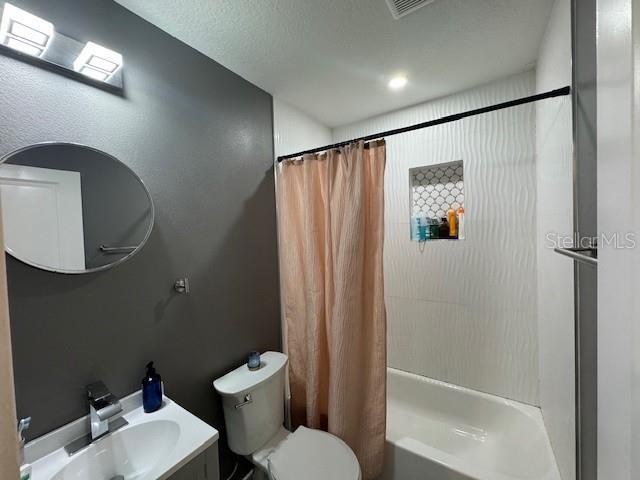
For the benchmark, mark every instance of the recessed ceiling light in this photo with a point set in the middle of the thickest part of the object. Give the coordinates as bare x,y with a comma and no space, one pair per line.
25,32
398,82
97,62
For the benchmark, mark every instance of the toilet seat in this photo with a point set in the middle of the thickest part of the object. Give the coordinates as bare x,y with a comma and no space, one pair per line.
313,455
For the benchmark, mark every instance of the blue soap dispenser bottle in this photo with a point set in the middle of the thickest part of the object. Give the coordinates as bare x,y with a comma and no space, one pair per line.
151,390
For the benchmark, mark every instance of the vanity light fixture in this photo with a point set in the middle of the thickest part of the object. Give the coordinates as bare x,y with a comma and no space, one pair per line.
398,82
24,32
97,62
33,40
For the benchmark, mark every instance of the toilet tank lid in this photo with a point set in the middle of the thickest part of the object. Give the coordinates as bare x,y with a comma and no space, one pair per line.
242,380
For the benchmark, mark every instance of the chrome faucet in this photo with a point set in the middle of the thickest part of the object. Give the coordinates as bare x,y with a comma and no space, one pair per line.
103,408
103,405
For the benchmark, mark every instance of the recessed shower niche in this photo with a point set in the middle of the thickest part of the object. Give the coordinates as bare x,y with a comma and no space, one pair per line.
437,202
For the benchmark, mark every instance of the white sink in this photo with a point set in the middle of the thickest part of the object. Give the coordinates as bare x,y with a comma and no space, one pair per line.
153,446
120,453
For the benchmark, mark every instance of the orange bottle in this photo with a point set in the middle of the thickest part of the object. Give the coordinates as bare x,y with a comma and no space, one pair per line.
453,223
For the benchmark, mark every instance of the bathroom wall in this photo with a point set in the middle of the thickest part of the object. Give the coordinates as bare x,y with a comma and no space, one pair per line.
201,139
618,131
465,311
295,131
554,183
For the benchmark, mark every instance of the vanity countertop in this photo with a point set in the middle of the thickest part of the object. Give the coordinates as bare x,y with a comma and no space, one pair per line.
152,446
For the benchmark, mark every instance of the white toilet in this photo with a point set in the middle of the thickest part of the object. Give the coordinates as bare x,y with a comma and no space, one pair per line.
253,404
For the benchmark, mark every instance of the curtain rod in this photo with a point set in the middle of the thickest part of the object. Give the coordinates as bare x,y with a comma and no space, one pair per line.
439,121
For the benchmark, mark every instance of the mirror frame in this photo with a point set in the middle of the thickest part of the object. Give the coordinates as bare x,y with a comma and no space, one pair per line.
101,268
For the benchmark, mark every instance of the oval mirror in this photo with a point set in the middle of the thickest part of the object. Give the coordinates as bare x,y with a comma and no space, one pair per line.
72,209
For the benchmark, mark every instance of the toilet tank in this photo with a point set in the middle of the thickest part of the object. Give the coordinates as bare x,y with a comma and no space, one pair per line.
253,403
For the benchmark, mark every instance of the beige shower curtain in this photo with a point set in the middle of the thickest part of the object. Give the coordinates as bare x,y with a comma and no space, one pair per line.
331,225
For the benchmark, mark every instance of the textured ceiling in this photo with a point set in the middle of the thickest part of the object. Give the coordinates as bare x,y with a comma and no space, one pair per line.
333,58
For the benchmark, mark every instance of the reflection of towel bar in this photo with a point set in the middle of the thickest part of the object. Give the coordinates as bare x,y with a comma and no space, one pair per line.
105,249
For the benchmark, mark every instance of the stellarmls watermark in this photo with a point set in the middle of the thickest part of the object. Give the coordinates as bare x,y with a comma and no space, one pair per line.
615,240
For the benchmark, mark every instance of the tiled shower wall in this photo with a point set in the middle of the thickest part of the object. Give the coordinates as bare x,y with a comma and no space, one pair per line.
465,312
436,189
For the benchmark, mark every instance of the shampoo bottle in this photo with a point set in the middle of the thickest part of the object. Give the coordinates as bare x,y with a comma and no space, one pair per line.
415,228
444,228
434,228
423,228
453,223
151,390
461,223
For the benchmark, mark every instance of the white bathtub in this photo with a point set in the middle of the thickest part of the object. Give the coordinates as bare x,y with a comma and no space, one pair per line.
438,431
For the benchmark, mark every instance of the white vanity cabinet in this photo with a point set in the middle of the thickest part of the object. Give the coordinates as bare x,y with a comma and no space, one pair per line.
204,467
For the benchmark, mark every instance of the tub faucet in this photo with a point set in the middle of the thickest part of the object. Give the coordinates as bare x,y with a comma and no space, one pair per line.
103,405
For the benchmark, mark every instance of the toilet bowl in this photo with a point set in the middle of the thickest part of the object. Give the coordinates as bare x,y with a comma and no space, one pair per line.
253,403
306,454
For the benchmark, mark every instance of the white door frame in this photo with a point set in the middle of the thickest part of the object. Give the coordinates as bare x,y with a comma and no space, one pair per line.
618,213
8,436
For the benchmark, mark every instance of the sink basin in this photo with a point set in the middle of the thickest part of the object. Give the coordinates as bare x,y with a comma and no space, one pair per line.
153,446
120,453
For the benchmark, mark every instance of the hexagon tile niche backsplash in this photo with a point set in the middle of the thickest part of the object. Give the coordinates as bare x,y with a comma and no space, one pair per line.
437,188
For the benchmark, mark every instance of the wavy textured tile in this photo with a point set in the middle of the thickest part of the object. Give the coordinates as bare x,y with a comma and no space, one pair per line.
465,312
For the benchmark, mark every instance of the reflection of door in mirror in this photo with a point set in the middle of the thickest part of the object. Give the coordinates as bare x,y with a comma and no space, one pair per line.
42,203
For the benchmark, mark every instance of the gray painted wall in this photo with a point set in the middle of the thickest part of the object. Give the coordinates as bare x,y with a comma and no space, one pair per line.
200,137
